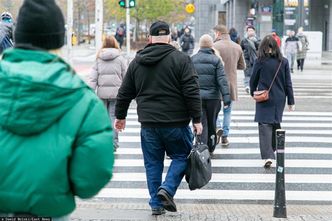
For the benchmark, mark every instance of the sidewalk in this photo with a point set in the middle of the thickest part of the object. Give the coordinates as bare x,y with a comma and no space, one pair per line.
199,212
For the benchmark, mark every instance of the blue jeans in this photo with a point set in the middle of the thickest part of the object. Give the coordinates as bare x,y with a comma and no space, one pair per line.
247,76
291,60
177,143
226,120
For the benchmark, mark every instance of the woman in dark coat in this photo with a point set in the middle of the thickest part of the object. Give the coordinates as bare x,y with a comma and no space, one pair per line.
213,84
269,113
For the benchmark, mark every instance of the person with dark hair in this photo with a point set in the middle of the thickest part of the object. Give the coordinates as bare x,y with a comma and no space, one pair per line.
107,75
213,85
249,46
120,34
271,63
187,42
165,85
234,35
56,137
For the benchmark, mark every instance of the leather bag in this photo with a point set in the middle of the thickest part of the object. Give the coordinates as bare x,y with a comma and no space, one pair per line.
199,169
263,95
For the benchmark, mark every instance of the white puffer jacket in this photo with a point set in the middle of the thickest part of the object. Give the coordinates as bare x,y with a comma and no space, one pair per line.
107,73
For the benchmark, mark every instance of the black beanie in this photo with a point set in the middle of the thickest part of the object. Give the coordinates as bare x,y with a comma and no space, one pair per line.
40,23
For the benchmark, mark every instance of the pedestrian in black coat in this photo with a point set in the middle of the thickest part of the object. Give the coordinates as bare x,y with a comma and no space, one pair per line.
213,85
269,113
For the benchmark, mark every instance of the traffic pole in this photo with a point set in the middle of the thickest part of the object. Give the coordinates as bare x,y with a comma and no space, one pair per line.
69,29
280,193
127,27
99,24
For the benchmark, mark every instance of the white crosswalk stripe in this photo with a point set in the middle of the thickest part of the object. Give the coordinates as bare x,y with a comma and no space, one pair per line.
238,173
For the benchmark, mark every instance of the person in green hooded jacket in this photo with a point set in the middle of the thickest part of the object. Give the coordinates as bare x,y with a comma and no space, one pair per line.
55,135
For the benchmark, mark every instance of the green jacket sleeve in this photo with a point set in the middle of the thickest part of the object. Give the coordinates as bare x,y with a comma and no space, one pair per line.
92,160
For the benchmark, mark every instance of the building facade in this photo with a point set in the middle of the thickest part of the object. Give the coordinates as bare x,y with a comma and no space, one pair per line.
265,15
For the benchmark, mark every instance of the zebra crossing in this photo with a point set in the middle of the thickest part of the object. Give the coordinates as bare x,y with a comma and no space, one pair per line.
238,173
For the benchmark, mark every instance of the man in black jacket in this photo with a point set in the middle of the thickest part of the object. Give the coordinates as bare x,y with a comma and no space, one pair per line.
165,85
249,46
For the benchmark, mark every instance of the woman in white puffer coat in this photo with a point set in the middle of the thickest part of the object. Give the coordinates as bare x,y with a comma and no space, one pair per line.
107,75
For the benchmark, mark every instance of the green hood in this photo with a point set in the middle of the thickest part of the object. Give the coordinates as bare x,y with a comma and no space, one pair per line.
36,89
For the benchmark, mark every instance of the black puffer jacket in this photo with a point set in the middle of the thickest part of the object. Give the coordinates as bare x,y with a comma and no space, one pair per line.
164,82
212,80
250,48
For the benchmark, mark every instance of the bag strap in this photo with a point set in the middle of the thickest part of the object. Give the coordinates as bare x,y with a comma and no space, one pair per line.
274,77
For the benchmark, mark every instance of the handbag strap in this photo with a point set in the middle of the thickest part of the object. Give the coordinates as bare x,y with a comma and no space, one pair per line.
274,77
197,139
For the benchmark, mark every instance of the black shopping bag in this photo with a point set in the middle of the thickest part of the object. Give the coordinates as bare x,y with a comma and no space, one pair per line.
199,171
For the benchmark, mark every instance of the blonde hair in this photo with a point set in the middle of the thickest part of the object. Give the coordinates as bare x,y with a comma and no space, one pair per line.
109,42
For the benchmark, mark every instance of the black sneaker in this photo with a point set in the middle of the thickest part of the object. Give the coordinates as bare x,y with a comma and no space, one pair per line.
219,133
158,211
166,200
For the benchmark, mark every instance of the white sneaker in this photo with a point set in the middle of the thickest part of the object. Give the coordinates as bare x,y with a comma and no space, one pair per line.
267,163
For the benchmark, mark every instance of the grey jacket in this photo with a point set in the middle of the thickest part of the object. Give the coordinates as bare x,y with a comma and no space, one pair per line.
107,73
292,44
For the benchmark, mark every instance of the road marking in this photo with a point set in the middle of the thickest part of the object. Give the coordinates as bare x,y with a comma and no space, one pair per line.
249,140
237,178
252,113
247,132
234,151
239,117
255,124
219,194
236,163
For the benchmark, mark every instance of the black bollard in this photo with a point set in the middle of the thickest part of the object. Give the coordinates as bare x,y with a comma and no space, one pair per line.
280,194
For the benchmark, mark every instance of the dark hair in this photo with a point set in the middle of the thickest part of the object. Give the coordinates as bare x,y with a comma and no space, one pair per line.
268,48
234,35
250,27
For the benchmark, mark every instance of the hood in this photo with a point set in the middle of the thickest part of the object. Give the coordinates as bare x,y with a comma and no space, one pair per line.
153,53
107,54
36,89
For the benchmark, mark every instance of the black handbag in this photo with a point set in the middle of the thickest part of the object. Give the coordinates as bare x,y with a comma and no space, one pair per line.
199,170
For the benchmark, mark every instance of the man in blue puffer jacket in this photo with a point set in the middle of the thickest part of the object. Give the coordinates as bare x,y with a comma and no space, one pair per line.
213,84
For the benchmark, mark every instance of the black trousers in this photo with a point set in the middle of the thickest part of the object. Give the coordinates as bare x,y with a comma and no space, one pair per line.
210,111
300,63
267,139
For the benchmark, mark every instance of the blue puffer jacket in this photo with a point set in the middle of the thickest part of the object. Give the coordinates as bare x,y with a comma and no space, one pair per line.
212,80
